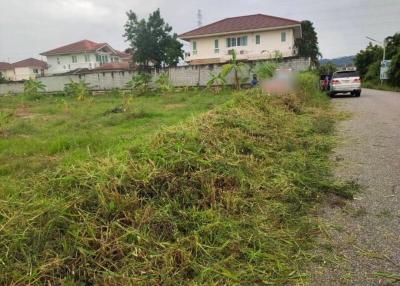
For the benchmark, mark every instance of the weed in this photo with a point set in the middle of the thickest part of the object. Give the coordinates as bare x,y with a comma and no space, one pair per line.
222,199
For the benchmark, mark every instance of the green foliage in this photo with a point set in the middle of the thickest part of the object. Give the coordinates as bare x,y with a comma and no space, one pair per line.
235,67
216,81
327,69
80,90
265,70
152,41
308,44
33,88
226,198
368,61
139,83
392,45
373,72
2,78
307,83
163,83
372,54
394,71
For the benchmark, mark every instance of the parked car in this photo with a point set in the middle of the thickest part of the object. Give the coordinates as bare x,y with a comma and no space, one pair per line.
345,82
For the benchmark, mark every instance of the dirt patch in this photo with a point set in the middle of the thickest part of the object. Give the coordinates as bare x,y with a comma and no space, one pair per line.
175,106
23,112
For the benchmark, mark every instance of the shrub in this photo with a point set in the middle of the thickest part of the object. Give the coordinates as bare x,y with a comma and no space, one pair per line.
163,83
265,70
79,89
139,83
307,83
32,88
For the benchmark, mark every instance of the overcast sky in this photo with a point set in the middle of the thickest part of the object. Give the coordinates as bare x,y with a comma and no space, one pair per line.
28,27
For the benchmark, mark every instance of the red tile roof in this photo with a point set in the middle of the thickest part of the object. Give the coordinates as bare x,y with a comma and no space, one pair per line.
31,62
78,47
242,23
113,66
5,66
123,54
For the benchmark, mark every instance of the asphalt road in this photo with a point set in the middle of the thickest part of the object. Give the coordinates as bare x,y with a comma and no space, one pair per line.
361,245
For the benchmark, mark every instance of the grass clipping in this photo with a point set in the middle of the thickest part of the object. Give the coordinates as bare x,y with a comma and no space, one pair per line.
222,200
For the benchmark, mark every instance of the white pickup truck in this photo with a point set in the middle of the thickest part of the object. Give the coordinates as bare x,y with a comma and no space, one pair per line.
345,82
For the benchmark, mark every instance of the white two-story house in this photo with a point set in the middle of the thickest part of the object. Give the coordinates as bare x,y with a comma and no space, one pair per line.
253,37
81,55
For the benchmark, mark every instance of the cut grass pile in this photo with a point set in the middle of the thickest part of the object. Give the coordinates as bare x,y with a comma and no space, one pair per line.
223,199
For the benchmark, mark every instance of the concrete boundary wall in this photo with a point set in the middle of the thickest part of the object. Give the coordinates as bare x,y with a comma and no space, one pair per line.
179,76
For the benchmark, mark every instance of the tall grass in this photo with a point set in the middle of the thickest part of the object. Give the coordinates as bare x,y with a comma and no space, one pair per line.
224,199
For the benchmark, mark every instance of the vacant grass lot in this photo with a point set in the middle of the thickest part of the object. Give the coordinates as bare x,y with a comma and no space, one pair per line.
224,198
37,134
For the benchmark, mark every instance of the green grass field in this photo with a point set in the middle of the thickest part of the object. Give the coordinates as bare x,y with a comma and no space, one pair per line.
41,134
190,188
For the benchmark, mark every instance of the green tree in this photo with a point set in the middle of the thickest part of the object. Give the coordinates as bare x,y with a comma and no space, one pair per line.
367,57
152,40
327,69
308,43
392,45
394,71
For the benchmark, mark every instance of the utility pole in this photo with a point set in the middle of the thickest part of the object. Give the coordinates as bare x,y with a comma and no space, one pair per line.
199,18
384,50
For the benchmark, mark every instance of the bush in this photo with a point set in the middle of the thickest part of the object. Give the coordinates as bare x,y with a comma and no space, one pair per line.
32,88
79,89
163,83
139,83
265,70
307,83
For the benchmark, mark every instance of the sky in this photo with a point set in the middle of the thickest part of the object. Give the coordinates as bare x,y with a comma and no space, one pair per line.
29,27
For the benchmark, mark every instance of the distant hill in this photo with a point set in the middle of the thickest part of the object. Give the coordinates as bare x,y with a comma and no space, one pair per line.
341,62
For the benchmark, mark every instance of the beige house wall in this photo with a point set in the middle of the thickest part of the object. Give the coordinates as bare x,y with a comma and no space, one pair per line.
270,42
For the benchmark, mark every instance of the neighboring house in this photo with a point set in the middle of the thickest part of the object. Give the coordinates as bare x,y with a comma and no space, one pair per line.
81,55
23,70
7,71
29,68
253,37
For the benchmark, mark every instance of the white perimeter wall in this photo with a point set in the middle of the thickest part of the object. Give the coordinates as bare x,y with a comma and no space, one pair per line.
179,76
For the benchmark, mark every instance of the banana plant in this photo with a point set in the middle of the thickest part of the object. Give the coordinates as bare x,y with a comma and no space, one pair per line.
235,67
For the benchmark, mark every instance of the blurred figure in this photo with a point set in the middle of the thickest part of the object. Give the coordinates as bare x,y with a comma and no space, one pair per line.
325,85
254,82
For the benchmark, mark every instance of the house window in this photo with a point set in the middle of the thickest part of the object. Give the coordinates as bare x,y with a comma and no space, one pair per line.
106,58
98,58
58,61
35,71
87,58
258,39
239,41
194,44
216,46
283,37
74,59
